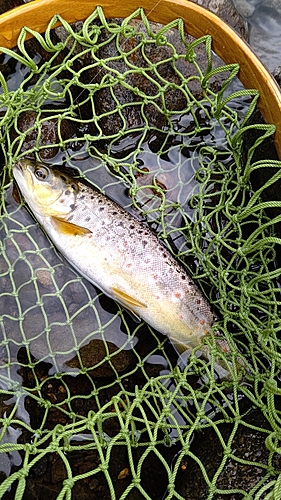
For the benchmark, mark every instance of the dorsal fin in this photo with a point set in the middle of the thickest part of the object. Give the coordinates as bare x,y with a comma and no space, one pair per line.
65,227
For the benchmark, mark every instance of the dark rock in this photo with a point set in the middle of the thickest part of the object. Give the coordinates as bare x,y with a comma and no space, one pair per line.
48,130
248,445
277,75
40,467
58,470
95,353
9,4
120,105
146,81
8,67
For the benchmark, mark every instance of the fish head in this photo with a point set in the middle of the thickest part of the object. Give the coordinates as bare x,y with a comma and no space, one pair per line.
47,190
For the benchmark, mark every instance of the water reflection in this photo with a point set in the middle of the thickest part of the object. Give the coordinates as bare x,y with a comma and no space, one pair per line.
11,458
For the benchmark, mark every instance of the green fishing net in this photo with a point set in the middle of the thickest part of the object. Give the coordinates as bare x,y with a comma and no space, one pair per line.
94,405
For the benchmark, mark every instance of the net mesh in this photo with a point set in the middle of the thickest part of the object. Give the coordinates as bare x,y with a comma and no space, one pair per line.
93,403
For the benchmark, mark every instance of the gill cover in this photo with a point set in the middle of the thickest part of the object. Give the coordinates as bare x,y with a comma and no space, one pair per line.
48,192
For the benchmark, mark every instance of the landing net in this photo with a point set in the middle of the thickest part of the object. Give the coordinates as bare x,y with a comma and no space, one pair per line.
92,404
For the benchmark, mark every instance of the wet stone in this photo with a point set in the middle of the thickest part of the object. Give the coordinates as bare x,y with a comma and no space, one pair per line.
58,471
44,276
248,445
95,353
128,95
175,99
40,467
9,4
265,32
48,130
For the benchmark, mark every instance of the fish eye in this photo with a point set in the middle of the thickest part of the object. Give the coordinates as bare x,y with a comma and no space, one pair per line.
41,173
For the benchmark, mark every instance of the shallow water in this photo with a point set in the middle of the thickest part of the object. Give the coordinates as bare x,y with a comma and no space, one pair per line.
44,277
56,311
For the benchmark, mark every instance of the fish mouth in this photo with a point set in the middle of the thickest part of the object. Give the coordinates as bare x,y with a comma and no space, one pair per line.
23,163
18,165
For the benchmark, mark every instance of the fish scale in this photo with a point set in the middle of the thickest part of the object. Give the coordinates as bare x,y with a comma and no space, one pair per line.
116,252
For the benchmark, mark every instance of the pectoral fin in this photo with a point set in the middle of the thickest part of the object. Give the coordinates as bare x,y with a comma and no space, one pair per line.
66,227
126,300
133,315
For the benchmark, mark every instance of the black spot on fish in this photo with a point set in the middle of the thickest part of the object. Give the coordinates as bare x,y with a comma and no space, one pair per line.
82,197
132,226
72,206
67,192
101,209
63,178
74,187
92,197
183,277
87,219
144,243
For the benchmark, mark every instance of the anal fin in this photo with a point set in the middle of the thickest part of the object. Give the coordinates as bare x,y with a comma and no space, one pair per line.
126,300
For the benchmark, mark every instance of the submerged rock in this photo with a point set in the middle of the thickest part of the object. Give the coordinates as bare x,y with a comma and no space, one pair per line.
248,464
42,131
95,357
244,7
9,4
121,106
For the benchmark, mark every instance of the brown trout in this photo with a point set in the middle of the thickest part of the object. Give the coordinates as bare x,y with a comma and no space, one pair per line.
117,253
